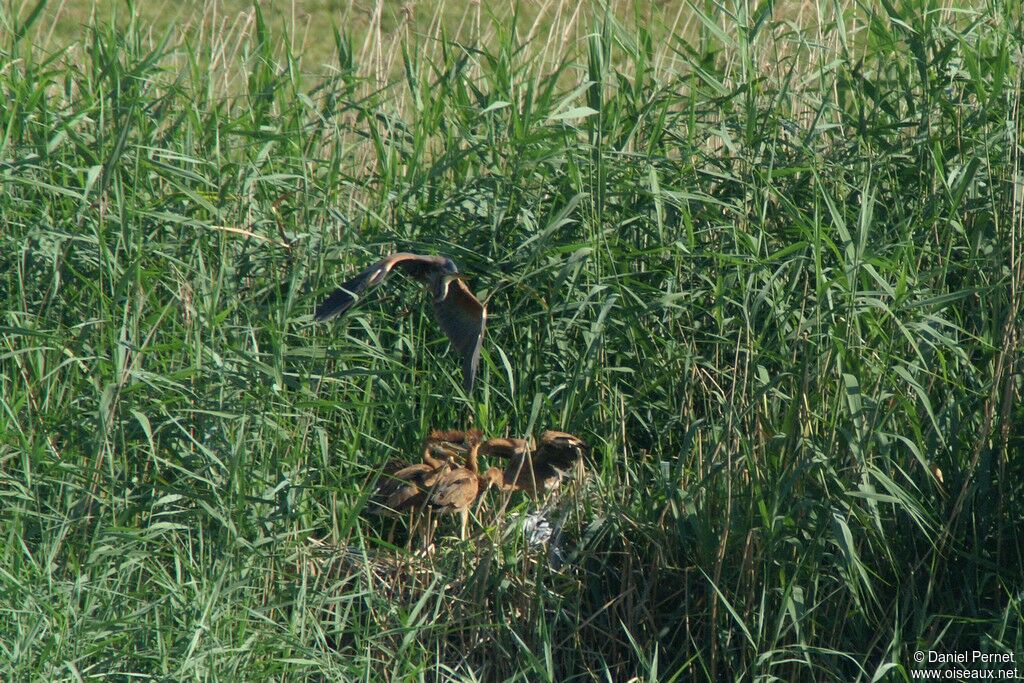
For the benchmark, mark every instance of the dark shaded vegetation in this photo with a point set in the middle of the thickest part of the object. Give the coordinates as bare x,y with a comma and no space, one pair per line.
772,274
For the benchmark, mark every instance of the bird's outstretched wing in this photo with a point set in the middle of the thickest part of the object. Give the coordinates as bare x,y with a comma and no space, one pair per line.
460,314
463,318
345,296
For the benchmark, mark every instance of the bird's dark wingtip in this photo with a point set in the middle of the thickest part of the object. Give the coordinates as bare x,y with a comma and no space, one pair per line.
469,367
337,303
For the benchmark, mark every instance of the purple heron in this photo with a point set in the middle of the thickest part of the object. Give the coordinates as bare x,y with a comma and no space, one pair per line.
538,472
403,487
459,313
455,490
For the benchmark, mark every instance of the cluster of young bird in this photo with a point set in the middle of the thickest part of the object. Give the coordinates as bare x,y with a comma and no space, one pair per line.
449,478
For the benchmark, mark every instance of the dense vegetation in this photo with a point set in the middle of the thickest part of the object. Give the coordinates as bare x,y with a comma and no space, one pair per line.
769,266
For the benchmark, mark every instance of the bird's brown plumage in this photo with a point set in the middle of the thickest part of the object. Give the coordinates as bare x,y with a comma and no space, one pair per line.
454,439
406,487
505,447
455,490
460,314
561,449
539,472
464,319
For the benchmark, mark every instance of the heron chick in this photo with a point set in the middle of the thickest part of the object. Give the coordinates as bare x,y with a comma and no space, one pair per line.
537,472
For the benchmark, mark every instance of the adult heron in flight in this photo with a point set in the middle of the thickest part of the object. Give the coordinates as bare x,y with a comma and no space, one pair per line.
459,313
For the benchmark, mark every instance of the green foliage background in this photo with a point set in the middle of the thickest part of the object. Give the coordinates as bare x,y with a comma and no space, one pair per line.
765,258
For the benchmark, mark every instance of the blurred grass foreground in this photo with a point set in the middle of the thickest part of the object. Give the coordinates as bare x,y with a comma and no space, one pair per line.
766,258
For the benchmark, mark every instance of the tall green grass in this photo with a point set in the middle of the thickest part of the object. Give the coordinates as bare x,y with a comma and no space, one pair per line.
767,261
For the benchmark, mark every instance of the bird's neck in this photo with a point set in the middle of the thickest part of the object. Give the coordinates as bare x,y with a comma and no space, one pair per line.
438,286
495,477
431,460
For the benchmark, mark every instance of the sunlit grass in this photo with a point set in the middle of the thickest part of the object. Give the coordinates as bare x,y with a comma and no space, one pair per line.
767,263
